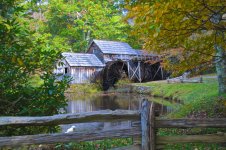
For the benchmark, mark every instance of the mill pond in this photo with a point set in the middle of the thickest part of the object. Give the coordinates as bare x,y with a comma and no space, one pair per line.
112,101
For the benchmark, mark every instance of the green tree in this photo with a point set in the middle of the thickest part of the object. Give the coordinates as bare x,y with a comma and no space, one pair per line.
21,55
194,27
70,25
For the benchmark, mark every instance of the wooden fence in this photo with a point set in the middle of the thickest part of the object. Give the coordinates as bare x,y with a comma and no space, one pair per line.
143,127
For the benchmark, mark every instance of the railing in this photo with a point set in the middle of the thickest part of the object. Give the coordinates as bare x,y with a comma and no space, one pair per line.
143,126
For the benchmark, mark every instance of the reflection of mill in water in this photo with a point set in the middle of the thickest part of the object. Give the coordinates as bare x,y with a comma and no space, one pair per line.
103,102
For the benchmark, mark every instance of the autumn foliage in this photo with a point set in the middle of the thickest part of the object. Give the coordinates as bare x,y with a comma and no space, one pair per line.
195,27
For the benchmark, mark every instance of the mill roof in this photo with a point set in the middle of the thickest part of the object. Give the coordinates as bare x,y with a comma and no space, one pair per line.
145,53
82,60
114,47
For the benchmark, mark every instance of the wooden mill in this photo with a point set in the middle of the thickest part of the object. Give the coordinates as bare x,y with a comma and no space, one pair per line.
116,60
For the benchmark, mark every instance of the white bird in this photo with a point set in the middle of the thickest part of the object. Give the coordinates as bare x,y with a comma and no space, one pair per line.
71,129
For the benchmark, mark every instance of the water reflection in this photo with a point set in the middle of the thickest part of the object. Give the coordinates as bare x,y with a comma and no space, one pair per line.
112,102
101,102
115,101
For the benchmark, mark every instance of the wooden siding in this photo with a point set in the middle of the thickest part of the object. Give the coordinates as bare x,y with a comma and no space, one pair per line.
83,74
94,49
78,74
60,69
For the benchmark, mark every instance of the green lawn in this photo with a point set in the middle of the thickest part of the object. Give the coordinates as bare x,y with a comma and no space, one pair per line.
193,96
196,98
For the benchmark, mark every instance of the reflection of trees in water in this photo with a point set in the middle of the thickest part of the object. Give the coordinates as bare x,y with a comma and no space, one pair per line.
106,102
161,110
119,101
112,102
76,106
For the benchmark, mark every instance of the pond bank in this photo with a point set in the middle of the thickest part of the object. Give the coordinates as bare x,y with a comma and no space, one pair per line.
199,99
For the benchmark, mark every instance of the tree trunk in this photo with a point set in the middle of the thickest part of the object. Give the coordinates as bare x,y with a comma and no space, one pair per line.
221,69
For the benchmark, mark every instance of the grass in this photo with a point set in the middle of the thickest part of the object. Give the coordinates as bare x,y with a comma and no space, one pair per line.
88,145
194,96
193,146
96,145
83,90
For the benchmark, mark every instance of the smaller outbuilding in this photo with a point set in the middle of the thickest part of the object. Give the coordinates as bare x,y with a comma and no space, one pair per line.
82,68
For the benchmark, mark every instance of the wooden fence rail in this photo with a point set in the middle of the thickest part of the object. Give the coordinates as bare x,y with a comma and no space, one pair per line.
97,116
143,126
68,137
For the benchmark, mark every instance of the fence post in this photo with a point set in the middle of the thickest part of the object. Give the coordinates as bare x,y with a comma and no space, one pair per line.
152,129
145,126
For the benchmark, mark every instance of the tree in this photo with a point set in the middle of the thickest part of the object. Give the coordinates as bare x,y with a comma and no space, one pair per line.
194,27
21,55
70,25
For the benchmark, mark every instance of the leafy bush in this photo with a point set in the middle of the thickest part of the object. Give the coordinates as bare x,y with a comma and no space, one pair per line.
22,54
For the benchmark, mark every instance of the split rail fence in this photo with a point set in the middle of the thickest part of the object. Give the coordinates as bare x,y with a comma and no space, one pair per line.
143,126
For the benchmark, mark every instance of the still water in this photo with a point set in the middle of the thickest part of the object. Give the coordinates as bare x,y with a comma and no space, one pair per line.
111,101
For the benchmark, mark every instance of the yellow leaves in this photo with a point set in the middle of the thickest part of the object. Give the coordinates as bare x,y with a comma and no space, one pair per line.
158,15
20,61
204,17
156,19
199,22
166,6
135,8
157,4
179,5
69,26
14,59
156,34
224,104
182,26
17,60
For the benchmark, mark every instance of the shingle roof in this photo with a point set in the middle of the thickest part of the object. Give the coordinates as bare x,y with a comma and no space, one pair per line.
113,47
144,53
82,60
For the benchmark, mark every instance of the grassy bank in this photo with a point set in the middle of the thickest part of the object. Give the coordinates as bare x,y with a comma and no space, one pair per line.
195,97
90,88
85,89
199,100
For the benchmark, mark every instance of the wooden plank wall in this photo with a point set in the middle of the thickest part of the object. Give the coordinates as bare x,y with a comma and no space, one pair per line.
83,74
